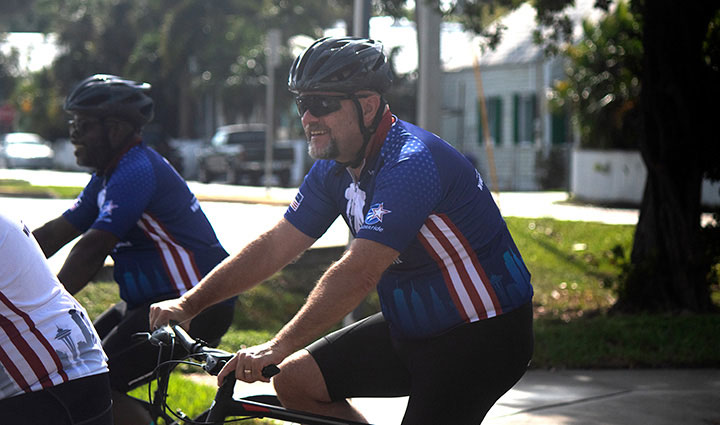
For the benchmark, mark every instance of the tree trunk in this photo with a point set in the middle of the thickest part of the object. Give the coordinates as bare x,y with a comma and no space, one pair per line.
669,267
185,107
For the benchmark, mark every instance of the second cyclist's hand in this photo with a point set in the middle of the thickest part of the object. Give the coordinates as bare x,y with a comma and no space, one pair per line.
248,363
163,312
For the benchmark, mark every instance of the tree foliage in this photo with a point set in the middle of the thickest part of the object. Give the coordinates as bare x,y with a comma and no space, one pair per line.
603,81
8,72
198,55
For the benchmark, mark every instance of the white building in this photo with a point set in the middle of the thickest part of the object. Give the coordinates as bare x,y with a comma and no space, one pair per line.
530,144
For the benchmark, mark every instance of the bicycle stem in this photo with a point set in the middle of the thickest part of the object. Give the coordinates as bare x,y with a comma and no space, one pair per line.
225,392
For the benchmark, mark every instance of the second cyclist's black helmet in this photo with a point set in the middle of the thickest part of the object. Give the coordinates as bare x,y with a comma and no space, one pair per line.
106,95
345,65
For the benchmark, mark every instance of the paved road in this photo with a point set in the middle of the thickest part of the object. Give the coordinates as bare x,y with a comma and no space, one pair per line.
235,223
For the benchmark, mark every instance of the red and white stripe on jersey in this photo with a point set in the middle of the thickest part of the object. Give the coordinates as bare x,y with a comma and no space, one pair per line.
465,278
30,359
178,261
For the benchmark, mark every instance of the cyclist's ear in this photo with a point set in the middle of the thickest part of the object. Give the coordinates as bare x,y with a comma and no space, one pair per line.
119,131
369,105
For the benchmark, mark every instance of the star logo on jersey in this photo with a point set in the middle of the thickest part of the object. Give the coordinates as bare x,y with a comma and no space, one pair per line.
106,210
479,180
376,213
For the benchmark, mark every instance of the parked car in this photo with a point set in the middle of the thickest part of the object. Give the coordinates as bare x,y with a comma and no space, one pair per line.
25,150
236,154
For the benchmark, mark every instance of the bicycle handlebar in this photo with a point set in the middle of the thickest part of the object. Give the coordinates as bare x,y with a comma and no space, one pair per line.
224,404
214,358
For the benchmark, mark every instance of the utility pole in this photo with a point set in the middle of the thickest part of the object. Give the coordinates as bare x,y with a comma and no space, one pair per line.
361,18
273,59
429,97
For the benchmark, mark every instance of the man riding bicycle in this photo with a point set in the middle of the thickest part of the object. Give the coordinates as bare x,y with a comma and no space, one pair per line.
139,210
456,321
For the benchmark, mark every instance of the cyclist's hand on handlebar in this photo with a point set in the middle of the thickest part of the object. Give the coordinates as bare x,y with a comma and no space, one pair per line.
163,312
249,363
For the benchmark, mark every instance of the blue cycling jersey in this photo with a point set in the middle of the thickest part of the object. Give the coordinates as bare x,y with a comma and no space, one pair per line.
458,262
166,242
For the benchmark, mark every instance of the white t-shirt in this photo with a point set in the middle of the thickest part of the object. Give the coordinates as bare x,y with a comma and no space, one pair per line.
46,337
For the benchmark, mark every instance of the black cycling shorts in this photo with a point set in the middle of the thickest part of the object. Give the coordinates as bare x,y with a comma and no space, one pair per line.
83,401
453,378
130,361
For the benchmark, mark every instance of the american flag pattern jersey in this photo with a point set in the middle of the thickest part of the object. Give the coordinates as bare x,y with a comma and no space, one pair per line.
166,242
458,262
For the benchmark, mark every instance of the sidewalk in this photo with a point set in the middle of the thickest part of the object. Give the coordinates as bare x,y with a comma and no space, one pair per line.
511,204
580,397
612,397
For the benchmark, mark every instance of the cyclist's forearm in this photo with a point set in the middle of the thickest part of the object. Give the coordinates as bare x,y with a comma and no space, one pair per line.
328,303
338,292
85,259
55,234
253,264
224,281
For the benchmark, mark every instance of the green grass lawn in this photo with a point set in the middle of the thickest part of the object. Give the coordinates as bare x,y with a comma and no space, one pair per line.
572,263
24,188
191,398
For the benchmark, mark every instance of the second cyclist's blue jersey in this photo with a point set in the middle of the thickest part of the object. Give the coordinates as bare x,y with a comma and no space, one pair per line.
458,262
166,242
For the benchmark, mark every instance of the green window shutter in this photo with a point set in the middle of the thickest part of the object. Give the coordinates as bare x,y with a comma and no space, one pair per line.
558,127
481,137
498,121
494,112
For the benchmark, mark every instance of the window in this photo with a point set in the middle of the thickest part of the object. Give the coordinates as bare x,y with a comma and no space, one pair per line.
524,117
494,112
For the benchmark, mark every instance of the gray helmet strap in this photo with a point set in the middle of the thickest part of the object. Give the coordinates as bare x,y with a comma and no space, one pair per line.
367,132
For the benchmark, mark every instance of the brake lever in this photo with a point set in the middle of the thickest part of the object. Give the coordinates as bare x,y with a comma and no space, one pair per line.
140,336
163,335
213,365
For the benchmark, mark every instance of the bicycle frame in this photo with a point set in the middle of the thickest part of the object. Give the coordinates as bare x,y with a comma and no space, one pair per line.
224,405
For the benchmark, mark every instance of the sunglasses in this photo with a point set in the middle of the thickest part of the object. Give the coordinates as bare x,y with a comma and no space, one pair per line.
319,105
322,104
81,126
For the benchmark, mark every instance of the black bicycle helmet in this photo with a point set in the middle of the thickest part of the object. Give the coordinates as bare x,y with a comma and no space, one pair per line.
346,65
106,95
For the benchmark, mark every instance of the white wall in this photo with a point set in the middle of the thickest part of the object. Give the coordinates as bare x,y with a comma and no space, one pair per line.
515,167
501,82
618,176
